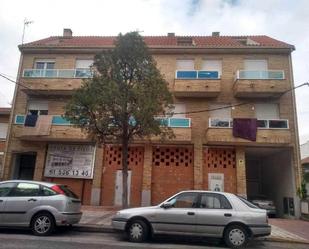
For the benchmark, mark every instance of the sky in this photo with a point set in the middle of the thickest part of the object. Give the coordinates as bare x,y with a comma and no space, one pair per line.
286,20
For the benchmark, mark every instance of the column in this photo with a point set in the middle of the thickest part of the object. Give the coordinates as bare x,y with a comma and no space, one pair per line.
146,187
97,177
241,172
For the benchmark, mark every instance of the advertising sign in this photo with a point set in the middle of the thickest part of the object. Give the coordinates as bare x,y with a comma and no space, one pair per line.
70,161
216,182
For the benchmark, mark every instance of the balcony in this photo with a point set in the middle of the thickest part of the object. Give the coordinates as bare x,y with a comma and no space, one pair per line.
197,84
254,84
53,81
270,132
62,130
57,73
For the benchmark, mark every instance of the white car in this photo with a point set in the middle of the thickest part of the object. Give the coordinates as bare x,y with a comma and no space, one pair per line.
196,213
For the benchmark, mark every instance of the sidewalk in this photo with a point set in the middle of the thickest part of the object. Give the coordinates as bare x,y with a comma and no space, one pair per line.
98,219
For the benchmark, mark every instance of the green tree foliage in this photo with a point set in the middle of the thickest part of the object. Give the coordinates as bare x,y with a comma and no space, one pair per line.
120,102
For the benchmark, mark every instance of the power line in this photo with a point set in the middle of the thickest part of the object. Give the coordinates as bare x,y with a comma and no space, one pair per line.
198,111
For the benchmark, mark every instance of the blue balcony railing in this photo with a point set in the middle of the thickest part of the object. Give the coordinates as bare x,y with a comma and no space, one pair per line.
194,74
260,75
170,122
57,73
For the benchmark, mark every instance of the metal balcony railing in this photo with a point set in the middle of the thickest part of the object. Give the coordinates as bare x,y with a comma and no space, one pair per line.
170,122
57,73
194,74
260,75
261,123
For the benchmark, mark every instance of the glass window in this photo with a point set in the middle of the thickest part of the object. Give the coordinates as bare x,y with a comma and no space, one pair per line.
47,191
184,200
44,65
3,130
5,188
248,203
214,201
26,189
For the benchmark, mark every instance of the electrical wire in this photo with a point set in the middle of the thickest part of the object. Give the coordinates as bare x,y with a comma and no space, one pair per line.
13,81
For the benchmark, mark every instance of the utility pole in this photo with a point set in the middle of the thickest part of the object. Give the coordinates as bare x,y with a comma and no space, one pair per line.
26,23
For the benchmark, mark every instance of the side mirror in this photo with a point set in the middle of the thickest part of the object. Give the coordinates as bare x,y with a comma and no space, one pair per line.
167,205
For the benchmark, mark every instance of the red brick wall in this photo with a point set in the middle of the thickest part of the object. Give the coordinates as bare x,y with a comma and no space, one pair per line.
2,143
221,160
172,171
81,187
112,163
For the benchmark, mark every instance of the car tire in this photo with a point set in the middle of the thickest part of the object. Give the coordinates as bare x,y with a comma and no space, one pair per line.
236,236
43,224
137,231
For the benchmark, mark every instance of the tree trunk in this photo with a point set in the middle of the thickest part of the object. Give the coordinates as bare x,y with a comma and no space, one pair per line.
125,146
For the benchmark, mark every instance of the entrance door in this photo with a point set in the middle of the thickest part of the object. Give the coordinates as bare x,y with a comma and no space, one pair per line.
118,188
24,166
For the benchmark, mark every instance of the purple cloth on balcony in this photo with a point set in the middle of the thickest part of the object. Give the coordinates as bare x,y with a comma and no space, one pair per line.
245,128
31,120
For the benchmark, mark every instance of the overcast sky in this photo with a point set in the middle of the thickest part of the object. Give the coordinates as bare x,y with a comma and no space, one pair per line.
285,20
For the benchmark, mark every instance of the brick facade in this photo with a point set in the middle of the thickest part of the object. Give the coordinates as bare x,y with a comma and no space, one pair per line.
160,169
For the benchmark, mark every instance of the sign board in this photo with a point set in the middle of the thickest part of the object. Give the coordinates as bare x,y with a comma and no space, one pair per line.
216,182
70,161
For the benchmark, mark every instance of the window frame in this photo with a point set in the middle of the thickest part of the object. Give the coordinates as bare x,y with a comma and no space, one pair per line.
12,192
8,194
196,201
221,196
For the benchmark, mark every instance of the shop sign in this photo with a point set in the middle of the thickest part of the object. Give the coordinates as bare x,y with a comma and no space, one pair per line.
216,182
70,161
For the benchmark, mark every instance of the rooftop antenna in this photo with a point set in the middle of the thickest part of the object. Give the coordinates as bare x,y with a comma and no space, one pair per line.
26,23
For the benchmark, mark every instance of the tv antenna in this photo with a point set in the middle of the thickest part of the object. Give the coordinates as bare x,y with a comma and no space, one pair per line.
26,23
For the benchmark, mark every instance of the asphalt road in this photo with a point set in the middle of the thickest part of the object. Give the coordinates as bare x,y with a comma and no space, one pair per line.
23,239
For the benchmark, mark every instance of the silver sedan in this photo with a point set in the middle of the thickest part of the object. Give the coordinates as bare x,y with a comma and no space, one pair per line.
39,205
196,213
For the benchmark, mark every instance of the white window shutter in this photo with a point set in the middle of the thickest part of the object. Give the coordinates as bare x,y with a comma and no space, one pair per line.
185,65
179,108
3,130
220,111
267,111
212,65
38,105
256,65
83,63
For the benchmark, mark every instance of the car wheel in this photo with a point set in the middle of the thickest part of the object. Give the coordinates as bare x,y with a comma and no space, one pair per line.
137,231
236,236
43,224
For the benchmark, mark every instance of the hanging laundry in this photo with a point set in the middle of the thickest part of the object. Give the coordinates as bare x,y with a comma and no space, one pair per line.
245,128
31,120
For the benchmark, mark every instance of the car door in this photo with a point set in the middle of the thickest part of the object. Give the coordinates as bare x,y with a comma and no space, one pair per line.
214,213
20,203
179,217
5,189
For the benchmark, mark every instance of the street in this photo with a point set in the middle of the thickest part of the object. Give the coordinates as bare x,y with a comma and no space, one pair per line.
15,239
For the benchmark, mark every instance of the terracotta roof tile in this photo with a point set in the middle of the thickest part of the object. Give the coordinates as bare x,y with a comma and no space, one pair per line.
260,41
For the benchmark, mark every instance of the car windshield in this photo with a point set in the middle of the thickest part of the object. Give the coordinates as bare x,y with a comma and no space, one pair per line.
248,203
68,192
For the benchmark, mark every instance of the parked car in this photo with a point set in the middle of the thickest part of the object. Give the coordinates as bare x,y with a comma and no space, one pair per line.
196,213
39,205
265,203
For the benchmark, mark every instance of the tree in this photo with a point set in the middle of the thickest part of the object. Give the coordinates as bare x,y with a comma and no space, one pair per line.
120,102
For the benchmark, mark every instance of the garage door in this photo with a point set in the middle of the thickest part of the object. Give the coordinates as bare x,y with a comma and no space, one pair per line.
220,161
172,171
112,168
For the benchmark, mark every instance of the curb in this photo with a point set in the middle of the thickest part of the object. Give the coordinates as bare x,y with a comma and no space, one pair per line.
109,229
93,229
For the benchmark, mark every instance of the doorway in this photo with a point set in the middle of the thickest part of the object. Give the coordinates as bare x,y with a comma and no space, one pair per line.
24,166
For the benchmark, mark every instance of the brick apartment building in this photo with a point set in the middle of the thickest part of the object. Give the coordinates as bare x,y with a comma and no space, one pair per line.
252,74
4,123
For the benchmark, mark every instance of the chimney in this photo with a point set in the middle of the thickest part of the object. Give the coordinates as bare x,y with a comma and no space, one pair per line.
215,33
171,34
67,33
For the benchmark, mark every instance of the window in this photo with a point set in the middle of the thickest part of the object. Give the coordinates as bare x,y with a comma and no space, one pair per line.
44,64
214,201
256,65
179,108
26,189
213,66
184,200
267,111
83,68
185,65
5,188
47,191
248,203
83,63
38,107
220,116
3,130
